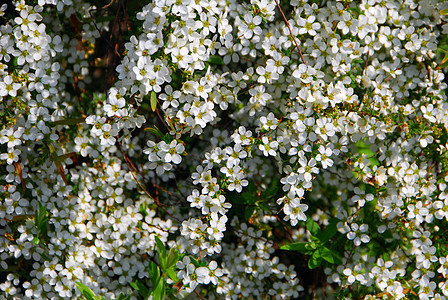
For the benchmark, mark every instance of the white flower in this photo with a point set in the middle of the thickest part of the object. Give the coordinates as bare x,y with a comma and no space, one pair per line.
8,87
173,151
250,26
208,274
308,26
269,122
217,226
268,147
11,157
113,108
308,168
304,73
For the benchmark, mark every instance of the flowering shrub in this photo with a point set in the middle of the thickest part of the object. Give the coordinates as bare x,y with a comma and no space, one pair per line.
224,149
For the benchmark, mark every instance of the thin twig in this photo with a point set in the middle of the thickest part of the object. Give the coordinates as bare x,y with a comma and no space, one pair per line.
156,200
199,295
107,5
101,34
284,225
346,262
290,31
161,119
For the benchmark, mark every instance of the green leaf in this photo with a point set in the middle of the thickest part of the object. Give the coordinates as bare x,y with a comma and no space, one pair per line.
41,221
326,254
444,63
329,232
336,257
248,212
444,12
300,246
251,187
86,291
123,297
271,191
153,101
63,157
312,226
314,260
155,131
161,252
173,258
44,256
36,241
57,163
312,245
172,274
249,198
167,138
215,60
68,122
154,273
194,262
159,291
442,48
140,288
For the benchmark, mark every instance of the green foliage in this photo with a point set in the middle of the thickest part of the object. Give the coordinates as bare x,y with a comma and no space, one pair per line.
153,101
159,274
215,60
87,293
319,248
41,224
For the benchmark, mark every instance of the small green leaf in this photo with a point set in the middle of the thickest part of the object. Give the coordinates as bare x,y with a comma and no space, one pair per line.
159,291
173,258
444,62
314,260
312,226
123,297
336,257
68,122
249,198
329,231
41,222
271,191
215,60
251,187
326,254
86,291
63,157
153,101
154,273
172,274
140,288
194,262
156,131
445,59
167,138
248,212
444,12
300,246
46,257
161,252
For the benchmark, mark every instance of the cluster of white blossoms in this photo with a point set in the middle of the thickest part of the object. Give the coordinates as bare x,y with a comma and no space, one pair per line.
230,131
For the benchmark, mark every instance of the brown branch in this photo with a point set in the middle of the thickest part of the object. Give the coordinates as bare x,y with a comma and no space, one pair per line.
156,199
199,295
99,31
290,31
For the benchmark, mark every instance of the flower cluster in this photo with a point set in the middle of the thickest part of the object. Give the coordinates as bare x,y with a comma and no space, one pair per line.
260,142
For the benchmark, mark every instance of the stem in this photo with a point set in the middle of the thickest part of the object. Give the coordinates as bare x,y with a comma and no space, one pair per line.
290,31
